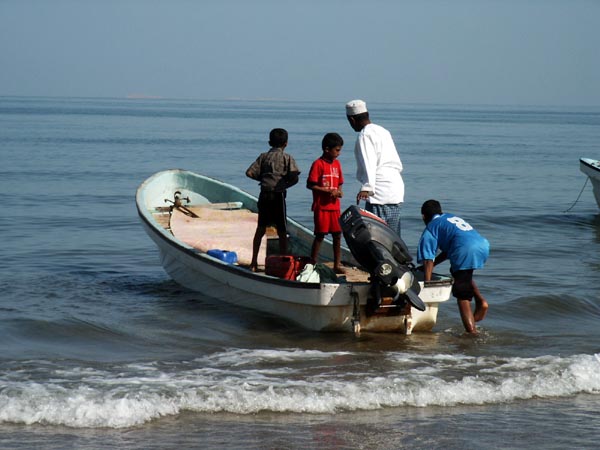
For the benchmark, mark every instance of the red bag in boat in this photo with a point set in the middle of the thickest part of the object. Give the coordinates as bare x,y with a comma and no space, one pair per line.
286,266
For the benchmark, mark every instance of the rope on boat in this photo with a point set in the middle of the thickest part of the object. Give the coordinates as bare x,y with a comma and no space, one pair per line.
580,192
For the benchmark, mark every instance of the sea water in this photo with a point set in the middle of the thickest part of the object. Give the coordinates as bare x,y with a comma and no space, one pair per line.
101,349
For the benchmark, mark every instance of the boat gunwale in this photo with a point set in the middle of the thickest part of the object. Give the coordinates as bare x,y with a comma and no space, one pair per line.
232,268
145,214
587,164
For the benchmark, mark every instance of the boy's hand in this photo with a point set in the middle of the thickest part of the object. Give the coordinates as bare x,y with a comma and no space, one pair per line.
337,193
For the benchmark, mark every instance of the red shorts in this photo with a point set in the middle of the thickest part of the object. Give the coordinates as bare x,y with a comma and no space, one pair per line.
327,222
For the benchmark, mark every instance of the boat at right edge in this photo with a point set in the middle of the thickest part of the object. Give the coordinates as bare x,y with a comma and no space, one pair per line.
591,167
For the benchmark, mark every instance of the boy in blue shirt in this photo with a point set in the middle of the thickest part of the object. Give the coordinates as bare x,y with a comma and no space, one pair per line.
466,249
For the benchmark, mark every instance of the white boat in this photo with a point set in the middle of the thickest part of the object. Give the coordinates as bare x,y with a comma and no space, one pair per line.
591,167
186,214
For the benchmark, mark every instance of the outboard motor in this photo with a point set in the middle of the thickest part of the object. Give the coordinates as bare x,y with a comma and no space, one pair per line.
384,255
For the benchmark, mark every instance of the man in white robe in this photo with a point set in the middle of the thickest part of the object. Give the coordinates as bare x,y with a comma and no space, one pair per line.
379,169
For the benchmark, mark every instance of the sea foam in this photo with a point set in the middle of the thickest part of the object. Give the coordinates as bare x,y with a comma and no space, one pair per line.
287,381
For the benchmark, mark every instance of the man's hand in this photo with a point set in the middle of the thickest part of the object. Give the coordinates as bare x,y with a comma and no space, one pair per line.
362,195
428,269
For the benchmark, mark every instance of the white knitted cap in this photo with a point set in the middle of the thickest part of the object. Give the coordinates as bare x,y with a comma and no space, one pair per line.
355,107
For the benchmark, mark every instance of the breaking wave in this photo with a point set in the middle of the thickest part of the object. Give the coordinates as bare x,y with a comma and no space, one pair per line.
287,381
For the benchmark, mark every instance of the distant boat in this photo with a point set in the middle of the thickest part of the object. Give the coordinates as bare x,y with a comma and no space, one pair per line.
591,167
189,216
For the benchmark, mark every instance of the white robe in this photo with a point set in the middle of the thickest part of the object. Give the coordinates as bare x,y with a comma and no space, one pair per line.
379,169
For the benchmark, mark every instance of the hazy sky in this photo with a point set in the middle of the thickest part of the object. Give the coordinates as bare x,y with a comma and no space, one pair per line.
527,52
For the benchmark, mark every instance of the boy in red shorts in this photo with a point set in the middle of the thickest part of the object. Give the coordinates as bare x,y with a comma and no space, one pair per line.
325,179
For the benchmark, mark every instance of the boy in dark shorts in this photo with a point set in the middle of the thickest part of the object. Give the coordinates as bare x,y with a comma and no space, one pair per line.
276,171
325,179
467,251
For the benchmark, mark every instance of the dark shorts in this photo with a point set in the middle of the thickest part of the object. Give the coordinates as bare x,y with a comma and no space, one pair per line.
327,222
462,288
271,210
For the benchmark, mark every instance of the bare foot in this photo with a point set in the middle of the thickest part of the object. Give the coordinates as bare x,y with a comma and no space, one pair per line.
481,308
339,270
254,268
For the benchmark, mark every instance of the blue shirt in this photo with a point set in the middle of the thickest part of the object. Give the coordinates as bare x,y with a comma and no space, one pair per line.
465,247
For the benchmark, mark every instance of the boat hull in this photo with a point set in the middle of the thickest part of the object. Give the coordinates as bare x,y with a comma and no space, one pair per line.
316,306
591,168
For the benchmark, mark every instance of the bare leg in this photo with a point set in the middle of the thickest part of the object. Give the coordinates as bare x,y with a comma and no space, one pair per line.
258,235
481,304
316,246
466,314
337,253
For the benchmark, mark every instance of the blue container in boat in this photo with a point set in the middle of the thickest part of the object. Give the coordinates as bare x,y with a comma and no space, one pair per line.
223,255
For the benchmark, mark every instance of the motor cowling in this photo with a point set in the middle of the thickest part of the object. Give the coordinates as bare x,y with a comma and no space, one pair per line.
380,251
